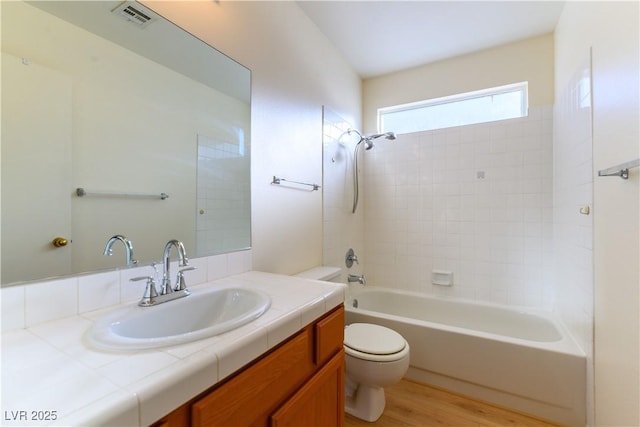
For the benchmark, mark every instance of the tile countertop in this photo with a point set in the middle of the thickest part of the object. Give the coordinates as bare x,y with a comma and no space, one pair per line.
50,376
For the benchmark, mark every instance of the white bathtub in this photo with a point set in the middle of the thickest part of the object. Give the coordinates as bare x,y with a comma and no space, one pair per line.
517,359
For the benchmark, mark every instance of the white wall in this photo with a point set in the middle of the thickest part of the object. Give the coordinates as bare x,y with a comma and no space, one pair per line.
295,71
611,30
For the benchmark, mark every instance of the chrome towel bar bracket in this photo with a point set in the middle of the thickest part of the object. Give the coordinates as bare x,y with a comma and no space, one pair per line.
621,170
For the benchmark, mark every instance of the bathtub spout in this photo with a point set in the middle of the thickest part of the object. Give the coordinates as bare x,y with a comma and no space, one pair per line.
354,278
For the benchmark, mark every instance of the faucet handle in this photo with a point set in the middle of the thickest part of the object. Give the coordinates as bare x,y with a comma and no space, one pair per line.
350,258
137,279
180,282
150,291
156,273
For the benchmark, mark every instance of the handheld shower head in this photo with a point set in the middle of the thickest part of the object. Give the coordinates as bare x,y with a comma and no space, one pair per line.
369,139
368,144
387,135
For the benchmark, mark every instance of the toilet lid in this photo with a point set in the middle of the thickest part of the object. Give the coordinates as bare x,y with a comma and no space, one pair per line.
373,339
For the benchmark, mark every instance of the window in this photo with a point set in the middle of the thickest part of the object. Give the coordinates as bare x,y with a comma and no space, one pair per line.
498,103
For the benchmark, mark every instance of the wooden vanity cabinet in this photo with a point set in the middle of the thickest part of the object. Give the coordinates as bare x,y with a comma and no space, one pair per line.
320,402
299,383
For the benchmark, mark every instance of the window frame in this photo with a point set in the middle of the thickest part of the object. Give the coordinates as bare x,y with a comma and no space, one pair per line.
522,87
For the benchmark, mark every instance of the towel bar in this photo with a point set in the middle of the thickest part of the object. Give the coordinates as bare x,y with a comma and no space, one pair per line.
277,181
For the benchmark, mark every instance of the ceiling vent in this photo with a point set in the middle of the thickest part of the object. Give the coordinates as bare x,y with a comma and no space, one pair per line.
133,13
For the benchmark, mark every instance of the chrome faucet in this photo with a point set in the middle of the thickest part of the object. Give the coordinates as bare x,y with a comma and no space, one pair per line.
355,278
167,293
108,249
184,261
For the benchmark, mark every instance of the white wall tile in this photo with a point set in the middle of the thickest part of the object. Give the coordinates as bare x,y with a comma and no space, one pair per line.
97,291
239,262
12,307
34,303
200,274
50,300
474,226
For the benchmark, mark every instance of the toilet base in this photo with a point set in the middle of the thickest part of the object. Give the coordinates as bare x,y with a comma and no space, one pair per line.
367,403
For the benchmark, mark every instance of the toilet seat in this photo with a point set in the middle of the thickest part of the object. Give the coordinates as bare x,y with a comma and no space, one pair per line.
374,342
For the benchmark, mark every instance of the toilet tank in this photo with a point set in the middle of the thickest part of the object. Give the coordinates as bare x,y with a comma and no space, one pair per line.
326,273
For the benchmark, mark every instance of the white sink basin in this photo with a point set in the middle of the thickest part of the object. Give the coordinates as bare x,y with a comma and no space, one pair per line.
203,314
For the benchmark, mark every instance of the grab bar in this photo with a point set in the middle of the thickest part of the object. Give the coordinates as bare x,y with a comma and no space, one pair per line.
277,181
621,170
81,192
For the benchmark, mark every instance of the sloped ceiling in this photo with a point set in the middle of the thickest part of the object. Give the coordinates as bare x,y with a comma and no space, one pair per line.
380,37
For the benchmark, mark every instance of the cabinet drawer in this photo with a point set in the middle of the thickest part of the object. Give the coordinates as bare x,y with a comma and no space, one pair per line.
249,397
329,333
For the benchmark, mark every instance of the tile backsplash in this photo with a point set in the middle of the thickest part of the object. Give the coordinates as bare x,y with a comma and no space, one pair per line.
474,200
26,305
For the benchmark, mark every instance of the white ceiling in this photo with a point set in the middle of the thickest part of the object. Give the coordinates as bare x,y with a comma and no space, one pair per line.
379,37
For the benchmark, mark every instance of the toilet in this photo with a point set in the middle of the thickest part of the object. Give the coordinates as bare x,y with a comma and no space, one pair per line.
375,357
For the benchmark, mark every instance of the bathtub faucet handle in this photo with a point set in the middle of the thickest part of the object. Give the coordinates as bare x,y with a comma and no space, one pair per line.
350,258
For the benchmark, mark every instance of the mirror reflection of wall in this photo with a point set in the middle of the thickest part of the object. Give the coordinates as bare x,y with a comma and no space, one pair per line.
78,110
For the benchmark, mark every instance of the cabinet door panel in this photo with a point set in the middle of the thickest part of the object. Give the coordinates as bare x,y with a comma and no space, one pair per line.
319,403
249,397
329,336
177,418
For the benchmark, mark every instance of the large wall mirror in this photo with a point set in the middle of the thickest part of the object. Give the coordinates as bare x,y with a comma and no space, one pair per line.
112,99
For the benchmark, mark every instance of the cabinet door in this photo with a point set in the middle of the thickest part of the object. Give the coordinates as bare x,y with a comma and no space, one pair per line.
320,402
251,396
177,418
329,334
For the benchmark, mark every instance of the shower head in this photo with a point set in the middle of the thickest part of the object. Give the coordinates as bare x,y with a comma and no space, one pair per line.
369,139
387,135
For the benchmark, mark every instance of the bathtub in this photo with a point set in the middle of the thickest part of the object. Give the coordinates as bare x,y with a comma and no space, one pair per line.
521,360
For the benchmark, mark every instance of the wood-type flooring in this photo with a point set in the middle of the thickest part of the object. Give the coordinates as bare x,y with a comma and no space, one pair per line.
410,404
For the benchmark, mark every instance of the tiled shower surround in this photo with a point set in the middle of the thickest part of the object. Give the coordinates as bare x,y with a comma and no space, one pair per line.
474,200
